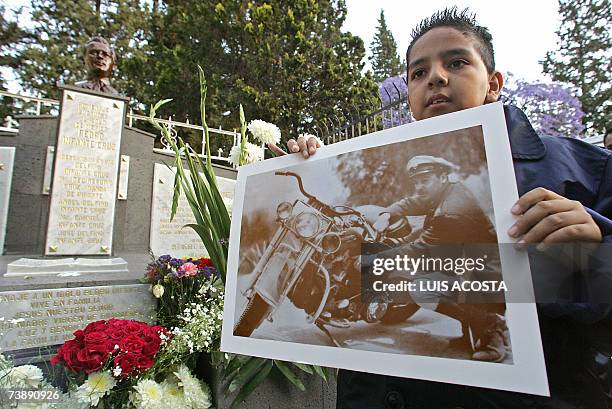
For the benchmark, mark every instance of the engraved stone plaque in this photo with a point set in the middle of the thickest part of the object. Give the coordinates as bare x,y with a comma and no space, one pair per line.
7,158
37,318
170,237
82,207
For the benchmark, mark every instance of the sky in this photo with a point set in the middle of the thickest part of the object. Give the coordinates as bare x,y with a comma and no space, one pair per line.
523,30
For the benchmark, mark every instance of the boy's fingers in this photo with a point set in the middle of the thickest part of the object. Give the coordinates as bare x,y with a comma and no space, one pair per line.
551,224
276,150
532,197
538,212
312,145
292,145
301,141
576,232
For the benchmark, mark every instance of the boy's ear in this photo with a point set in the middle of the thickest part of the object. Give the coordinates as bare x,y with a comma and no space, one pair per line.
496,83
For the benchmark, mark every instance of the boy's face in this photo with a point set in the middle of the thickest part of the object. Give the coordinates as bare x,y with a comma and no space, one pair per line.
446,74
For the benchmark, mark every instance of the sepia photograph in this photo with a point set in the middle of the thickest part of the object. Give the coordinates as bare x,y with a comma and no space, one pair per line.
301,277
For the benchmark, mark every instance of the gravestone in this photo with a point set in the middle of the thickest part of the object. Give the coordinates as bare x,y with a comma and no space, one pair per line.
81,215
170,236
7,157
39,318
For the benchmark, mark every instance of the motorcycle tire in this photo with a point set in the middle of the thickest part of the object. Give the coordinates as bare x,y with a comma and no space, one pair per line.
252,317
399,313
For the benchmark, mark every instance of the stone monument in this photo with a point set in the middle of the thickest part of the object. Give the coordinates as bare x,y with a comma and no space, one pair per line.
76,196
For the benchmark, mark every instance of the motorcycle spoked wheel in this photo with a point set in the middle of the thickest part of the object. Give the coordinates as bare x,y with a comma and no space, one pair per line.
399,313
255,312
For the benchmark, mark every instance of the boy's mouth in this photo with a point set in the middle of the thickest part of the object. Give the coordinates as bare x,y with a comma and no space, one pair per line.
437,99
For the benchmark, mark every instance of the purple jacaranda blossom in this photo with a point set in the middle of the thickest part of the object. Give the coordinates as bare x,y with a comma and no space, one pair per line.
552,108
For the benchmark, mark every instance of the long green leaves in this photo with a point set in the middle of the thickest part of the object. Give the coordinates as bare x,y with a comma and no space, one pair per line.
202,193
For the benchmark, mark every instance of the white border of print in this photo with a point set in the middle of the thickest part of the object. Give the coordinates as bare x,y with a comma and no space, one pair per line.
527,374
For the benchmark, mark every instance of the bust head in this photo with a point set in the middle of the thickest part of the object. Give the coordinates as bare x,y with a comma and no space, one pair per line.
99,58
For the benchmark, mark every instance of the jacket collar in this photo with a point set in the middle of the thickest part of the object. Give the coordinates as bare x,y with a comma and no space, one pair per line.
524,141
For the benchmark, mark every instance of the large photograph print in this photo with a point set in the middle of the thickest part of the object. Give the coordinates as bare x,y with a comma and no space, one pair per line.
387,254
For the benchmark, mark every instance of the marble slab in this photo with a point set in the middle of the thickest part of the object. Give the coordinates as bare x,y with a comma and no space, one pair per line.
83,196
39,318
7,160
169,237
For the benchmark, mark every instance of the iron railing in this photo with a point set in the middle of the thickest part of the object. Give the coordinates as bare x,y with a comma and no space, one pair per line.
28,105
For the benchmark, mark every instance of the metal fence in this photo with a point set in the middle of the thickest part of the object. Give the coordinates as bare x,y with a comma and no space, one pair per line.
26,105
393,112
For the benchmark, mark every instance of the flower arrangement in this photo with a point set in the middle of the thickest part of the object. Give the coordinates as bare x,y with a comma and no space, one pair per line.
129,364
30,380
177,283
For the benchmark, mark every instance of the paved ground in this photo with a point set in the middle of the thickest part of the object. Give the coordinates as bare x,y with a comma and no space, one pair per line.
425,333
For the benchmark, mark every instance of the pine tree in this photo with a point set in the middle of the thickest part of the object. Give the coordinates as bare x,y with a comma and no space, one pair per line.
11,35
62,27
385,61
286,62
583,58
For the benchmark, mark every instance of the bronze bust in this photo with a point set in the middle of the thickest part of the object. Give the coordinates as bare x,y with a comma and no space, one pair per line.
100,60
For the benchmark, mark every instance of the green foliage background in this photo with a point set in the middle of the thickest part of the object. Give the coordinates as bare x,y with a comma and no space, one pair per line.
287,62
584,58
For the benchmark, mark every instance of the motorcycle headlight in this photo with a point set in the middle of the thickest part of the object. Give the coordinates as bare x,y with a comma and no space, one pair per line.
284,210
307,224
330,243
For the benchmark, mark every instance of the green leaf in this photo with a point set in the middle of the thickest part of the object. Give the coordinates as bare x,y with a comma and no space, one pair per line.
319,371
290,375
303,367
249,387
246,373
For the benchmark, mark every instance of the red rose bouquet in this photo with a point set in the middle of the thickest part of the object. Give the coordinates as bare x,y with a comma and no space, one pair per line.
125,346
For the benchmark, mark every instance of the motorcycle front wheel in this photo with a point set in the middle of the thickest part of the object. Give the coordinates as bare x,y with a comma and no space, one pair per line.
255,312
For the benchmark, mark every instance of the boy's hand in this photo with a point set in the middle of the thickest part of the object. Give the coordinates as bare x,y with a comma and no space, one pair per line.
546,217
307,147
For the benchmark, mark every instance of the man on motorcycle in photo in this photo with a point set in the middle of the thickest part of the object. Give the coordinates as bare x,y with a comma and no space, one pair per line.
453,217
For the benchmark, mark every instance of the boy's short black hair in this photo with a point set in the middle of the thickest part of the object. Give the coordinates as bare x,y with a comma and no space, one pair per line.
464,21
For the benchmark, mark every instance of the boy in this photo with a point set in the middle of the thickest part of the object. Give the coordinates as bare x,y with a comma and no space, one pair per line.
565,189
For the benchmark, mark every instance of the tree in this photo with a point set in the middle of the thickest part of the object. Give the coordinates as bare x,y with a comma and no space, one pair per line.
61,28
583,58
551,108
11,35
287,62
385,61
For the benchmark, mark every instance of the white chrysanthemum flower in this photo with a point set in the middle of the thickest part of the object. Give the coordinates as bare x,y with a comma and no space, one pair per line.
264,132
24,376
254,153
173,395
197,393
149,395
95,387
158,290
307,136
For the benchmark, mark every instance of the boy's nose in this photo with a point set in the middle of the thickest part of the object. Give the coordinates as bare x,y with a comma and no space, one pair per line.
437,77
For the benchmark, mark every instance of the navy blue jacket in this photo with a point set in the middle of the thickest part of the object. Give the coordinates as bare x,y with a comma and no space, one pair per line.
576,335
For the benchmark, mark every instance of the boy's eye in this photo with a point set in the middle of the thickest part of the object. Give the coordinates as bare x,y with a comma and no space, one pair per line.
417,73
457,63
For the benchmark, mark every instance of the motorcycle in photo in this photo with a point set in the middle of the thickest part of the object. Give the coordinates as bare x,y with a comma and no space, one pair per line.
313,261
